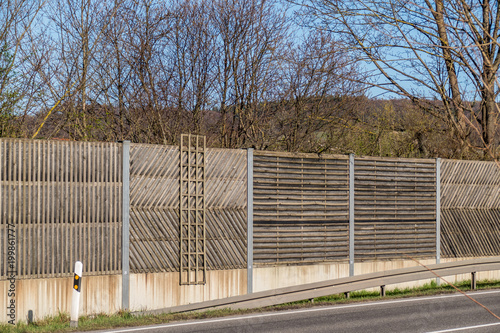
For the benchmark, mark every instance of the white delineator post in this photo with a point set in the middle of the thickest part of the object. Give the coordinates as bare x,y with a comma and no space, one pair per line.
75,301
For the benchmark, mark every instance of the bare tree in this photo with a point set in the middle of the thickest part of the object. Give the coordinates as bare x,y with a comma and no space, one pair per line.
251,35
319,85
427,51
77,30
113,74
192,44
146,43
149,70
16,79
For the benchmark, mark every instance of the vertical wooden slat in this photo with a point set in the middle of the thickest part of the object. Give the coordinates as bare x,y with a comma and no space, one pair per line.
32,208
71,206
17,206
54,211
58,198
112,211
95,203
20,207
100,216
204,207
44,199
36,226
86,238
3,222
24,206
64,223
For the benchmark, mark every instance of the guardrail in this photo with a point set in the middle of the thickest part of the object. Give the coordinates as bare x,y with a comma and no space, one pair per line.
337,286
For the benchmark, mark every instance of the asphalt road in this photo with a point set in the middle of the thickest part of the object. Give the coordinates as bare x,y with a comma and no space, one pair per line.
445,313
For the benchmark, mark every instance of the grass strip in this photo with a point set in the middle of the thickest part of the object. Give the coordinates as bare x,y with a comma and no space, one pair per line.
60,322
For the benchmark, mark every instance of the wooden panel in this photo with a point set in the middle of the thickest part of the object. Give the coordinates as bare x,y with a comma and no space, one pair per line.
395,208
65,201
394,189
470,233
301,207
306,188
394,240
155,208
300,243
470,209
226,185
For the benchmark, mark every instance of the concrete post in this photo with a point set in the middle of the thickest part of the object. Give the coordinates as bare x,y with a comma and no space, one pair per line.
351,215
249,220
126,227
438,214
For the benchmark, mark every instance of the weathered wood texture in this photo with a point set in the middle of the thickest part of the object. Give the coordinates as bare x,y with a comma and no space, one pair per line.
154,207
470,208
226,202
64,199
299,243
301,207
395,208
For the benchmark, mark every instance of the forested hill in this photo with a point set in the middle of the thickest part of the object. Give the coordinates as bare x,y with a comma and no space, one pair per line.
268,74
358,125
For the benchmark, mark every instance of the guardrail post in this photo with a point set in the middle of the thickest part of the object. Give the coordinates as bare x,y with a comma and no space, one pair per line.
438,214
249,220
473,283
351,214
126,226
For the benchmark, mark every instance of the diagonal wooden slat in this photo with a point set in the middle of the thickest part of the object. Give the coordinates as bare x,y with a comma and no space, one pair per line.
155,200
470,208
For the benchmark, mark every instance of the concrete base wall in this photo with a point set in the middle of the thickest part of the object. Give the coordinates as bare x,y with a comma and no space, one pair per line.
102,294
162,290
272,277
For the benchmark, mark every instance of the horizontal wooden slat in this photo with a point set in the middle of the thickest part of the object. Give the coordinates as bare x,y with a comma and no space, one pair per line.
300,243
394,189
266,153
299,189
396,238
